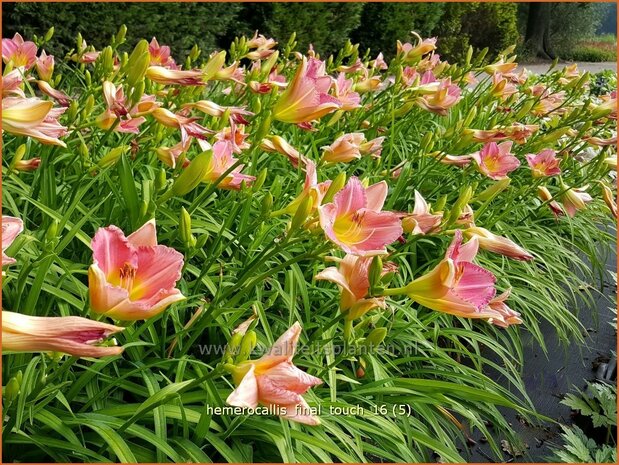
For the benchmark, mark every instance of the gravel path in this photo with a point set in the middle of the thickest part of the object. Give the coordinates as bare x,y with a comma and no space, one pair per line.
539,68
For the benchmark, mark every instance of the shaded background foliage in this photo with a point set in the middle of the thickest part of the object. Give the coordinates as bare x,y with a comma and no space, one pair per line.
325,25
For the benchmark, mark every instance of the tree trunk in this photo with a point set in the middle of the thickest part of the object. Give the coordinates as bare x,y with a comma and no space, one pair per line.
537,38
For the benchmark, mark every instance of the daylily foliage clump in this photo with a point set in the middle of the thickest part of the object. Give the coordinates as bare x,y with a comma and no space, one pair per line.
265,228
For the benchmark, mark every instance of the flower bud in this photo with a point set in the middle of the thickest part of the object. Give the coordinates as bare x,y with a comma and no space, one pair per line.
376,336
267,204
213,65
259,181
465,196
337,185
112,156
300,216
232,348
494,190
49,34
120,35
374,274
185,229
11,391
191,176
160,179
247,346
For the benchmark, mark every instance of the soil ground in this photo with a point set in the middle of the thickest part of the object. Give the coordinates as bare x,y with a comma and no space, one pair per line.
548,377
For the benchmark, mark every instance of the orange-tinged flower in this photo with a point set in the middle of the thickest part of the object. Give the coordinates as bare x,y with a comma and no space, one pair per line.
609,199
517,132
352,277
28,165
501,87
545,195
445,97
132,277
497,244
221,161
421,220
63,99
543,164
575,199
19,52
11,228
170,155
344,149
12,83
456,285
354,220
279,145
306,97
235,134
71,335
34,118
166,76
411,53
212,109
273,380
501,67
188,126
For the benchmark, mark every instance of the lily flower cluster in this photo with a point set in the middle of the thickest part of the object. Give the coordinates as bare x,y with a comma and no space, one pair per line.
325,141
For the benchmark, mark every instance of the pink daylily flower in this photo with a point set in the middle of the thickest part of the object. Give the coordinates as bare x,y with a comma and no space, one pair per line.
311,188
166,76
517,132
11,228
379,62
63,99
213,109
132,277
354,220
273,380
352,277
235,134
421,221
545,163
575,199
12,84
34,118
456,285
445,97
31,164
188,126
350,147
411,53
221,161
71,335
496,161
499,314
160,55
306,98
19,52
497,244
344,93
502,87
45,66
279,145
170,155
545,195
